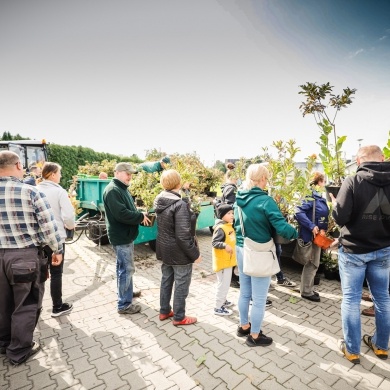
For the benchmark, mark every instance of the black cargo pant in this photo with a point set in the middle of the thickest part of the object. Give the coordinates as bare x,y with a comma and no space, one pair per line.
22,276
55,277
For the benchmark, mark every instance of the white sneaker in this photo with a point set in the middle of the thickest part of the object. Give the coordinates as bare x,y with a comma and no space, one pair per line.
222,311
228,304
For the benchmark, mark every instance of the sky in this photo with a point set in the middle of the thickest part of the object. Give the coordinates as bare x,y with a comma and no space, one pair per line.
216,77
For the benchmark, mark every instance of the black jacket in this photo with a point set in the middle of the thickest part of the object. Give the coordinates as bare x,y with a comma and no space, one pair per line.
176,244
363,209
229,191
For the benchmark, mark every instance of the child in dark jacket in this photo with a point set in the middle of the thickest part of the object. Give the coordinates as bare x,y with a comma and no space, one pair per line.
224,256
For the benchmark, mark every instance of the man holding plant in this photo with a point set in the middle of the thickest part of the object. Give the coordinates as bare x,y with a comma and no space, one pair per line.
122,220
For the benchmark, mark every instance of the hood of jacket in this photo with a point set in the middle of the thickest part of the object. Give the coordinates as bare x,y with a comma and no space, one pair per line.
165,199
223,186
376,173
245,196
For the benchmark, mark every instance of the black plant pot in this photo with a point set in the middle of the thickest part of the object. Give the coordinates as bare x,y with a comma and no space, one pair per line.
335,234
331,189
317,280
331,274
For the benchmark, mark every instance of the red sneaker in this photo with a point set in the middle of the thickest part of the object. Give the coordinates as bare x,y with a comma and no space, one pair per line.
163,317
185,321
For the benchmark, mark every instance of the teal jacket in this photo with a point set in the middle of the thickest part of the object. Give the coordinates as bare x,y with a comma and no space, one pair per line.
151,166
122,217
261,217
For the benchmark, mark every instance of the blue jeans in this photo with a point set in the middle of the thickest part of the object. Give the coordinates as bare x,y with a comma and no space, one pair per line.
279,275
124,274
181,275
373,266
255,288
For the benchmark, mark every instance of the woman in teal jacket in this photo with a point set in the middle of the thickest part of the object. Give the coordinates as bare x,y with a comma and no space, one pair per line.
260,216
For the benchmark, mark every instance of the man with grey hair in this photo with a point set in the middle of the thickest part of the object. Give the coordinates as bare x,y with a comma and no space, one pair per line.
122,220
362,210
26,225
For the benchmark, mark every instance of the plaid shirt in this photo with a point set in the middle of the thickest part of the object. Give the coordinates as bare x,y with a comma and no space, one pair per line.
26,218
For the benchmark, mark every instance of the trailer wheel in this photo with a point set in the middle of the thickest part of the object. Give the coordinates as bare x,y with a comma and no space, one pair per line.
97,234
152,245
211,229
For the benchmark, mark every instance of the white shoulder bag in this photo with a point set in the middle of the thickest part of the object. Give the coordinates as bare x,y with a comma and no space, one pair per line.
260,260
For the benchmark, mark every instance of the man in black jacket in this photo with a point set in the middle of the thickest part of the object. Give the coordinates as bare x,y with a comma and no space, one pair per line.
122,220
362,210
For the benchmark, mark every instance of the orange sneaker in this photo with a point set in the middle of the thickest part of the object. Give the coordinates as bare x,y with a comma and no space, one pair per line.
353,358
381,353
185,321
163,317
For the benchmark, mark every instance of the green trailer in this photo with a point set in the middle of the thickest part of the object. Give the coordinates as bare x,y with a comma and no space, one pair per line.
90,195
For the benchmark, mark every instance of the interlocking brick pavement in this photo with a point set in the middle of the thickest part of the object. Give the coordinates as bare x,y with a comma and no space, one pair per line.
96,348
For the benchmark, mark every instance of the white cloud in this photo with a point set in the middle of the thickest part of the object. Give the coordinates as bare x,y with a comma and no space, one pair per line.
356,53
382,38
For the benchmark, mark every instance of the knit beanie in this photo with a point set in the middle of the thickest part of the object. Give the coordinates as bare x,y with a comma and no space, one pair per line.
222,209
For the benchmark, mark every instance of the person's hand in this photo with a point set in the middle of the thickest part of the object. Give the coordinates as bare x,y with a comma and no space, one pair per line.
198,260
146,221
228,249
334,243
315,230
333,199
56,259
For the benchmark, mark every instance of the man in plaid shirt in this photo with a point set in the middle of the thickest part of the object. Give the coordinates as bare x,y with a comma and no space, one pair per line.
26,225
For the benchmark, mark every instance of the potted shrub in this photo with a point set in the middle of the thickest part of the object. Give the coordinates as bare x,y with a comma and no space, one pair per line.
287,184
144,188
324,105
330,263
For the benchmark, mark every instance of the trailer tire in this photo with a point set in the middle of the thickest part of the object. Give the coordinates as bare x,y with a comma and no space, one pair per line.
97,234
211,229
152,245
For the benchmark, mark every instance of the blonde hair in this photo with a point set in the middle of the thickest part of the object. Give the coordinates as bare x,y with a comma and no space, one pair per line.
49,168
170,179
370,153
254,174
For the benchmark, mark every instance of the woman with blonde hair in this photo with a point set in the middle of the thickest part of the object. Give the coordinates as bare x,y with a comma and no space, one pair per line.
65,218
260,217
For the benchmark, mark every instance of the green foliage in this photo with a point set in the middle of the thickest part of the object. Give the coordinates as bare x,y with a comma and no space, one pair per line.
287,184
329,260
319,98
386,149
241,166
145,187
7,136
330,155
72,157
95,168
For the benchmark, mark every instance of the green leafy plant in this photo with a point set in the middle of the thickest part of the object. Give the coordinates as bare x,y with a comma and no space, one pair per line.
145,187
287,184
329,260
386,149
320,102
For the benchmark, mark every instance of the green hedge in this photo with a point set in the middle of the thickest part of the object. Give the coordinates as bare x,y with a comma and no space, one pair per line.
71,157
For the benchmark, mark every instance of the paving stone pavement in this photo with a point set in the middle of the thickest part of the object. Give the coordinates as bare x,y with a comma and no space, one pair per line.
96,348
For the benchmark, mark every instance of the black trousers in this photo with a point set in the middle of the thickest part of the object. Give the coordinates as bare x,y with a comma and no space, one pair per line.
55,277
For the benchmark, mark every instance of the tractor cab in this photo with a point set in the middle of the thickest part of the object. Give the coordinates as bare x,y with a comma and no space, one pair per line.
29,151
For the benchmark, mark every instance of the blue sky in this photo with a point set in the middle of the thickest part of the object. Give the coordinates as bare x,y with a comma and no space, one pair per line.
218,77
